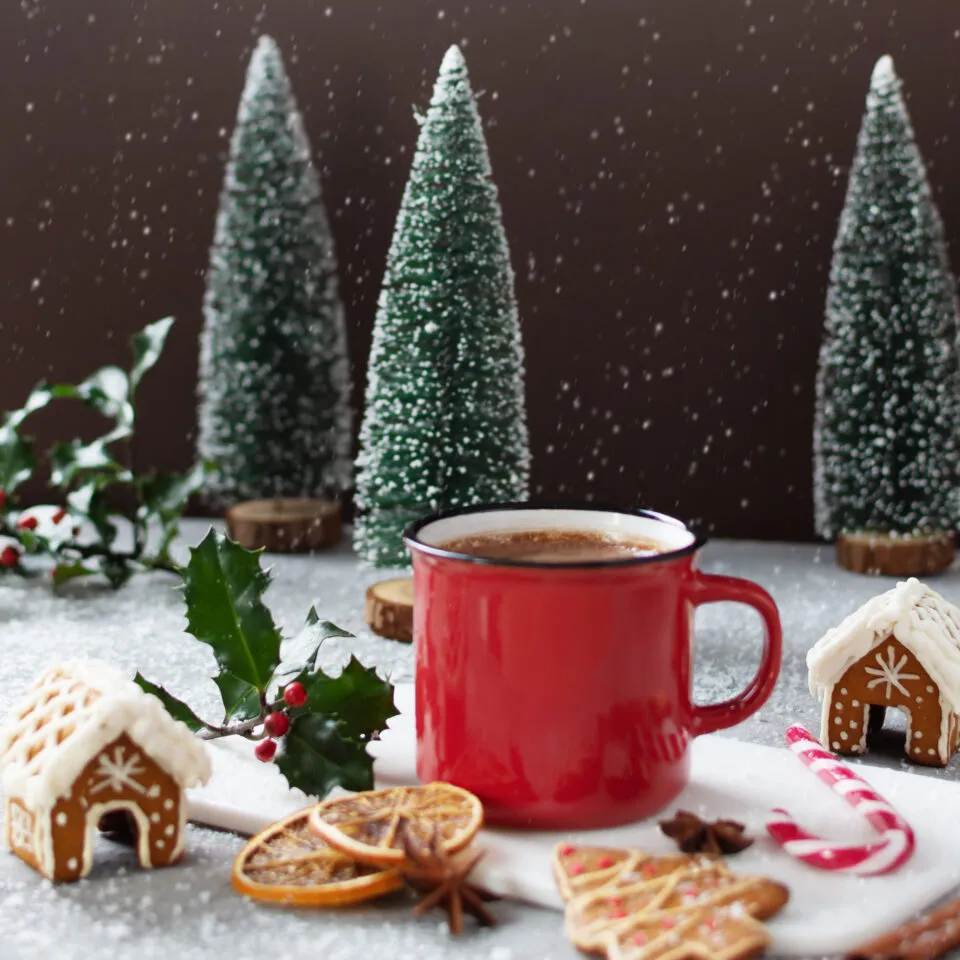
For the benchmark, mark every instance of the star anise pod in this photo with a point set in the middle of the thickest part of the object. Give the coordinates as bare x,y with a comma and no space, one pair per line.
430,870
693,835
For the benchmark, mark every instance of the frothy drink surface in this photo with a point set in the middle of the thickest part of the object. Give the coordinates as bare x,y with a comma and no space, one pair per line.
553,546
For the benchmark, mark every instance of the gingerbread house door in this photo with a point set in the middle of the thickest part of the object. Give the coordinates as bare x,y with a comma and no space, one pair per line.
889,676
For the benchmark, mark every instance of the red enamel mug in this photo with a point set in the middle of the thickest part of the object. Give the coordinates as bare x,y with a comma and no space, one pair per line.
560,693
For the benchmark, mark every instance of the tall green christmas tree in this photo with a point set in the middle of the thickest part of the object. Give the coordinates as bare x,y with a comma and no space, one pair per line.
888,387
444,425
274,387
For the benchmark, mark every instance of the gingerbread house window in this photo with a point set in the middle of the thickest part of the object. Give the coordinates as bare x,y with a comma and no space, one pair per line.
86,746
899,651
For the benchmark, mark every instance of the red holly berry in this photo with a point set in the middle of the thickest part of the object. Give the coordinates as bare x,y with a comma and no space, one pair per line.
27,523
277,724
3,499
58,516
265,750
295,694
9,557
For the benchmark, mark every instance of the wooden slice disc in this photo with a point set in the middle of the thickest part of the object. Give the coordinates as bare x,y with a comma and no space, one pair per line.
390,609
888,556
285,525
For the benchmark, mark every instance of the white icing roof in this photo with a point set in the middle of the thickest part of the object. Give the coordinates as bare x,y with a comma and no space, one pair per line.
926,624
71,712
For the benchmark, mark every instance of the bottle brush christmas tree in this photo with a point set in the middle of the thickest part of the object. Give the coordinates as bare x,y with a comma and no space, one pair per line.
888,386
445,423
275,413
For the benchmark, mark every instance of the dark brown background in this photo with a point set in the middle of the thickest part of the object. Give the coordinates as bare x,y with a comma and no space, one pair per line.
671,175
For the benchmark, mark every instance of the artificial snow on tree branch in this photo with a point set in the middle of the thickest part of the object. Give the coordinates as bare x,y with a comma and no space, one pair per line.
445,424
274,389
888,386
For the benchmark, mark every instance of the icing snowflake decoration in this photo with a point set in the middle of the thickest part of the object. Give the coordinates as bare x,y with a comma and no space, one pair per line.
890,673
117,773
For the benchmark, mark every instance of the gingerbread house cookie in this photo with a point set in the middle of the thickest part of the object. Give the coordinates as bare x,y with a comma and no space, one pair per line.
87,742
899,650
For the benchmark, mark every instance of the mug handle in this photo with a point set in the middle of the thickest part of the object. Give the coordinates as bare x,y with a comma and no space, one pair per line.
710,588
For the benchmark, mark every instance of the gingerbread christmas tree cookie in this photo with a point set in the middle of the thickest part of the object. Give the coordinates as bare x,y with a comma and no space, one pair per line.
578,870
724,933
900,650
86,742
631,905
591,917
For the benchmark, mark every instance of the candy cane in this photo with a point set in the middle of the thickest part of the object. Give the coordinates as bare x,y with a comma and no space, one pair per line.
896,843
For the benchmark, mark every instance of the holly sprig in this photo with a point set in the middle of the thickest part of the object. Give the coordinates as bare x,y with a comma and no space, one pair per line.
94,479
315,727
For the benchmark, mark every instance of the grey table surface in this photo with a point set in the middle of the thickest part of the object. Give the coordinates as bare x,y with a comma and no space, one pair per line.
190,911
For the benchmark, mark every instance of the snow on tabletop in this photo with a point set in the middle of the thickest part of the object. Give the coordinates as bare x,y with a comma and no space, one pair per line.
71,712
190,911
926,624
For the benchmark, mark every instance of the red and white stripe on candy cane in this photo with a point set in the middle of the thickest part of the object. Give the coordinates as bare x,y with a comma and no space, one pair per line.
894,846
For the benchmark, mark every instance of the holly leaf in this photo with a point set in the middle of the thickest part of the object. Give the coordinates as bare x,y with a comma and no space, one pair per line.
176,708
164,495
358,697
163,498
317,757
147,346
39,397
241,701
17,460
65,571
118,570
324,628
315,630
223,586
90,502
69,460
107,391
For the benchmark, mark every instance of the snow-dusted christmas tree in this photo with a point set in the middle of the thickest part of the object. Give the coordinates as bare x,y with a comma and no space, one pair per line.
888,387
274,387
445,423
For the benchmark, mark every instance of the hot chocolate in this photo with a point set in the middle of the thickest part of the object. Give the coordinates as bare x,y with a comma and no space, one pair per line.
554,546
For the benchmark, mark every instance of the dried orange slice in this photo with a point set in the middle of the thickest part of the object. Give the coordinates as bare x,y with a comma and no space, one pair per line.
366,826
288,863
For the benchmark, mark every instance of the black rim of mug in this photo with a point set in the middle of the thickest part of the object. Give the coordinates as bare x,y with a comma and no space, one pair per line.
411,535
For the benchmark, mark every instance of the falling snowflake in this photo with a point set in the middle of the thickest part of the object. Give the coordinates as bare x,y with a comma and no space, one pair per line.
889,673
117,773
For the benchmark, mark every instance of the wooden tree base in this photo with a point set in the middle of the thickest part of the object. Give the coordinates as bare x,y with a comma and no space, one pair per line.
285,525
390,609
883,555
